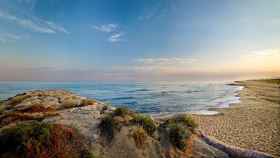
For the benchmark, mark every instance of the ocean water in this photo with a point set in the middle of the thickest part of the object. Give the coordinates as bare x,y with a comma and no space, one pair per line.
151,98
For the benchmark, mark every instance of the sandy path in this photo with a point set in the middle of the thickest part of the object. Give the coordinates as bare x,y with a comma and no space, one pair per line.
254,123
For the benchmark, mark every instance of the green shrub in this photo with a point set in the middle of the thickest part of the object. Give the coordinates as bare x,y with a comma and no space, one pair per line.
88,154
122,111
22,137
139,136
178,135
42,140
185,120
107,127
146,122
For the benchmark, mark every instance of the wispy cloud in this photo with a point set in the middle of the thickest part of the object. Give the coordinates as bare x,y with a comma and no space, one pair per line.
8,37
33,23
114,31
166,61
116,37
164,64
57,27
106,28
266,52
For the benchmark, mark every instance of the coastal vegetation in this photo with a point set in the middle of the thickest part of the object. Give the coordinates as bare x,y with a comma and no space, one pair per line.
123,116
41,140
178,135
139,135
183,120
122,112
145,122
178,128
41,126
107,127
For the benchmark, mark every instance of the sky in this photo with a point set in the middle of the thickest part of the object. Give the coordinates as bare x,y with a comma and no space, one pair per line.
145,40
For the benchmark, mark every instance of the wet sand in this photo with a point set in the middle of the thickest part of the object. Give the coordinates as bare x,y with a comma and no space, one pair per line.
254,123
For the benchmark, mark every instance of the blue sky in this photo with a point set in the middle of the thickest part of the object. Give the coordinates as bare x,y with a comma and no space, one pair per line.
138,40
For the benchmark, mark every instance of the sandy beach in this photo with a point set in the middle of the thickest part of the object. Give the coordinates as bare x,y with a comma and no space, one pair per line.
254,123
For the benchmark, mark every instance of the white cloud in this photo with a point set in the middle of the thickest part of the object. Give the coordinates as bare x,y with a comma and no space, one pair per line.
266,52
116,37
34,24
173,64
8,37
108,28
57,27
166,61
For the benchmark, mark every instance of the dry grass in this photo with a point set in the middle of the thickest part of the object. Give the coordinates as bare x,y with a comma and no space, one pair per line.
139,136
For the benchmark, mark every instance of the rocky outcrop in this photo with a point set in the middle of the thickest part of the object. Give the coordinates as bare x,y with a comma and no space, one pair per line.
45,123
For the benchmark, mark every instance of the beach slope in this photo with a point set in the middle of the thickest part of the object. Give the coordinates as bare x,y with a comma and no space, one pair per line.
254,123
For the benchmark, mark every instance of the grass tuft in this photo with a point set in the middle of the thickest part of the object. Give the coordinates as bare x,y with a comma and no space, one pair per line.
185,120
122,111
107,127
178,135
139,136
146,122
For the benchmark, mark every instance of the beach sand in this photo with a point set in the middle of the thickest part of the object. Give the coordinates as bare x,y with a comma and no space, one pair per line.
254,123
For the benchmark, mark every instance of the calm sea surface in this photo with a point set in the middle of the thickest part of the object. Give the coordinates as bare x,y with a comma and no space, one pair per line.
147,98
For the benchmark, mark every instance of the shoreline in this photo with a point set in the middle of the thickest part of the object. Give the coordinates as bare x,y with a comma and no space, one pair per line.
253,123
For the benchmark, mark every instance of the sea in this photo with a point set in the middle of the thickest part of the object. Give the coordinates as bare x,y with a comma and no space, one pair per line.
149,98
